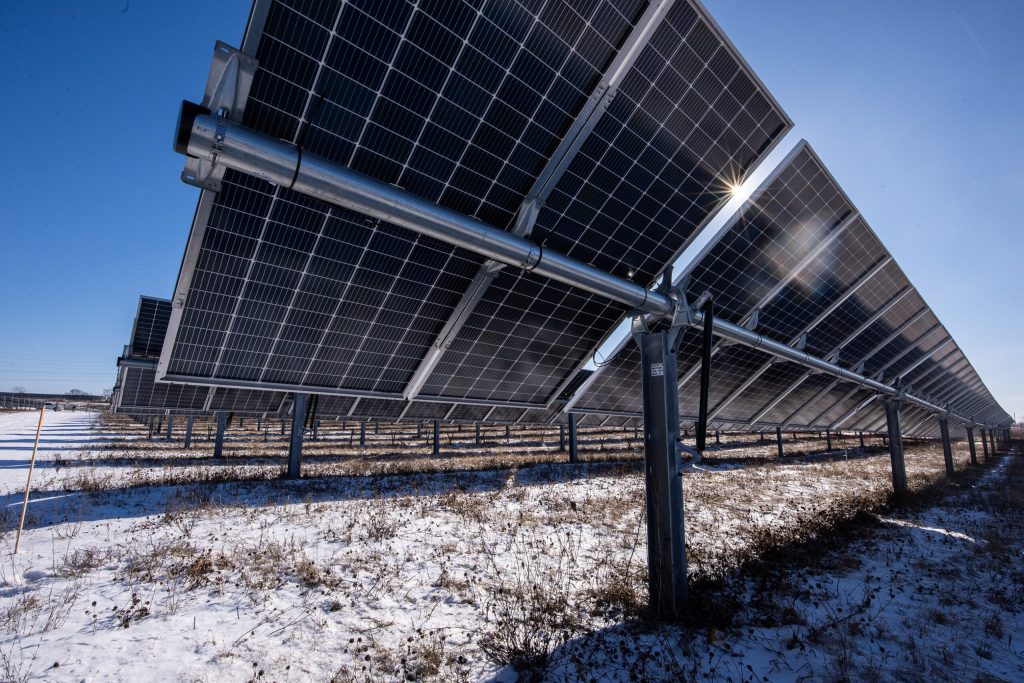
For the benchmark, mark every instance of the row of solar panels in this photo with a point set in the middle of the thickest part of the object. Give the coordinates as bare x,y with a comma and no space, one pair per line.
607,131
137,391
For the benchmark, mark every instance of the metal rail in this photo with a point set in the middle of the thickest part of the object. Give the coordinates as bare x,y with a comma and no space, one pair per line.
220,141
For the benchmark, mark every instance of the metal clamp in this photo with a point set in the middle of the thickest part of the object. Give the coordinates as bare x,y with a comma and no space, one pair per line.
227,90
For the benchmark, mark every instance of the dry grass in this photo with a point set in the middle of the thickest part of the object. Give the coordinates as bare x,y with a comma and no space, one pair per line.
544,557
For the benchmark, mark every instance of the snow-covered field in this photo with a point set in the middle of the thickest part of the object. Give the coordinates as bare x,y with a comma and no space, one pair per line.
143,561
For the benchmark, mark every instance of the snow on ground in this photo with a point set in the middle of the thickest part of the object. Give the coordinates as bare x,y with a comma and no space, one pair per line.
135,566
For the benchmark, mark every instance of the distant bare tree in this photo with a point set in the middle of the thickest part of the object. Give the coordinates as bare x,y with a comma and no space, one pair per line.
17,390
76,392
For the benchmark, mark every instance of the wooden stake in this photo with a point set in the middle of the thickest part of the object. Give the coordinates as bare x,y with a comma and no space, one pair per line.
28,484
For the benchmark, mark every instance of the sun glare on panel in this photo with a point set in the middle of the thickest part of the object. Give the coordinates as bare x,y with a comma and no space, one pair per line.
740,191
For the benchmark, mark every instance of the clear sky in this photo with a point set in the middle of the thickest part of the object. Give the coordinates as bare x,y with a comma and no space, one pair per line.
915,106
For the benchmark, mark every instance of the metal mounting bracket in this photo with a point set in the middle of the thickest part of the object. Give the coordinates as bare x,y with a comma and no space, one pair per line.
690,455
682,317
754,320
527,217
227,89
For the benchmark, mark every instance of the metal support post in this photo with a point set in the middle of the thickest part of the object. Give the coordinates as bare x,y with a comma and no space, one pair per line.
705,375
477,434
828,440
362,434
861,436
984,444
666,548
718,438
970,445
282,426
778,440
437,437
188,431
947,449
561,438
992,441
574,453
299,402
170,427
218,444
899,470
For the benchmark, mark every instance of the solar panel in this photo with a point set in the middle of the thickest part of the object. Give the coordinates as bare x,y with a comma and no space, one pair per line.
138,392
150,327
801,261
469,107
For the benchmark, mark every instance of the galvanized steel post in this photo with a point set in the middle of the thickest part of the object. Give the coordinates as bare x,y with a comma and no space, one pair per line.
971,445
299,403
899,470
574,455
947,448
666,548
218,443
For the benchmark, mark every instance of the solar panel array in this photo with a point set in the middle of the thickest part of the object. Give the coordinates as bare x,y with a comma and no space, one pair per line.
469,105
800,255
464,105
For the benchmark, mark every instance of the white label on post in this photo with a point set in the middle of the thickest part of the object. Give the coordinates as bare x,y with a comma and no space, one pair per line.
657,369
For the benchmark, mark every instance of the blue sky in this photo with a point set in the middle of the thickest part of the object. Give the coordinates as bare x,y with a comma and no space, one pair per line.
915,107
